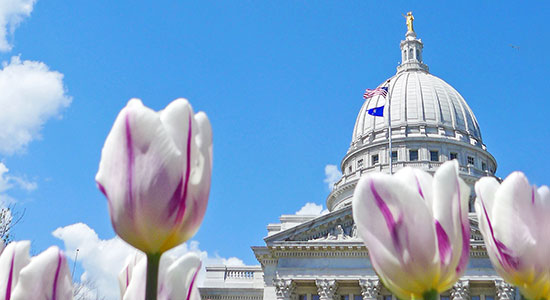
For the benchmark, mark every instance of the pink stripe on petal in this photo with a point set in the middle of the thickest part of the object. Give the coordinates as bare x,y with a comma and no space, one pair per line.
505,259
386,213
10,278
60,258
419,187
178,201
193,282
130,166
443,243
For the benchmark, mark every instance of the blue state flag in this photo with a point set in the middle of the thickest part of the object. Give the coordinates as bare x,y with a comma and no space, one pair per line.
377,111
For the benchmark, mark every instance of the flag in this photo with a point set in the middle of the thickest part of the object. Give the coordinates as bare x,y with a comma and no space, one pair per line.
377,111
377,91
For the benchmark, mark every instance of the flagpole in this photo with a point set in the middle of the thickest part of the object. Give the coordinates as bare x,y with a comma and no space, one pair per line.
389,129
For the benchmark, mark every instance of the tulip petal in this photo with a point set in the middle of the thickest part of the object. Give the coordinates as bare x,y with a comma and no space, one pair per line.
387,212
180,280
46,277
514,218
14,258
450,209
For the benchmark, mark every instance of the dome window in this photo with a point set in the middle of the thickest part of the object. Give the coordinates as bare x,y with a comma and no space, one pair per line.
434,155
471,161
374,159
360,164
413,155
453,155
484,166
393,156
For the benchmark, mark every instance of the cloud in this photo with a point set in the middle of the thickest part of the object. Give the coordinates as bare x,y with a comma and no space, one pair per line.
12,13
8,182
312,209
102,260
332,175
31,94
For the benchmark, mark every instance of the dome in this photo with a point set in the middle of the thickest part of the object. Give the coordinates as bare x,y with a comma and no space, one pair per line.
418,98
430,123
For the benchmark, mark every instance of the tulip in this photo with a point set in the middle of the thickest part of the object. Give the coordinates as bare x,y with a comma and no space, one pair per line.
415,227
155,172
514,218
43,277
177,278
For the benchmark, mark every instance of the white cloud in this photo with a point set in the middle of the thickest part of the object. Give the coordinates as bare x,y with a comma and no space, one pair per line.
12,13
30,95
8,182
102,260
312,209
332,175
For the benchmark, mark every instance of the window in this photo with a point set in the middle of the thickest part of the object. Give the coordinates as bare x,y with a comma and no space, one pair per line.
489,298
434,155
393,156
411,53
302,297
345,297
360,164
418,55
413,155
349,169
387,297
357,297
475,298
444,298
374,159
484,166
314,297
454,155
471,160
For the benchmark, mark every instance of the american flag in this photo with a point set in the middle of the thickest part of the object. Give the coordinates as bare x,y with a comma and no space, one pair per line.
377,91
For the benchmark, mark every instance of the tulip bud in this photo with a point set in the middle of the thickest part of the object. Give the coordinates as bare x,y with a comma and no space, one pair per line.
155,172
514,218
415,227
43,277
177,278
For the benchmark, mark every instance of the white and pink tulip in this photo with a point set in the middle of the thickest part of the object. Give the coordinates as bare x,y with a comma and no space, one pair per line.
415,227
177,278
155,172
43,277
514,218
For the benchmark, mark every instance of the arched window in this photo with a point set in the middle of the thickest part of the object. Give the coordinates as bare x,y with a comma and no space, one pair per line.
411,53
418,55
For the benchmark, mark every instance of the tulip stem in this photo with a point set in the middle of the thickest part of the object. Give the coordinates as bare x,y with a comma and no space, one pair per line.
153,261
430,295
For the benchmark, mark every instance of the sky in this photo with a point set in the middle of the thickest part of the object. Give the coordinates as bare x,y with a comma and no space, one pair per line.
281,82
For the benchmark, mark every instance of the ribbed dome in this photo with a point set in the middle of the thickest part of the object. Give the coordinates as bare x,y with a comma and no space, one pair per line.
418,98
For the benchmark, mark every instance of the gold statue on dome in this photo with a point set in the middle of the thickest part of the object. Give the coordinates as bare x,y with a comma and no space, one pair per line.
410,20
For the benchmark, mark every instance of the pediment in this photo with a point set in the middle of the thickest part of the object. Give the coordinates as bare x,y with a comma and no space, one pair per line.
338,227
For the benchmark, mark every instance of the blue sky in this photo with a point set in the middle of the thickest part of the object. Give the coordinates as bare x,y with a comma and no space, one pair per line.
280,81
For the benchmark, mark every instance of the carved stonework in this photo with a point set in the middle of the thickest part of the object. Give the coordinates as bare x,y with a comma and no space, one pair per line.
369,288
505,291
336,234
284,288
326,288
461,290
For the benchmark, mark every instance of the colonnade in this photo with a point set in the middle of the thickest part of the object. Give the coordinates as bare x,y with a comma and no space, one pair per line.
327,289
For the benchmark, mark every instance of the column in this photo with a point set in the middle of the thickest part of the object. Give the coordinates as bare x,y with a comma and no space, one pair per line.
505,291
326,288
461,290
369,288
284,288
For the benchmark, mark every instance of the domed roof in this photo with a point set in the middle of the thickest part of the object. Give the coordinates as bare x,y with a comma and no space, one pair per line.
418,98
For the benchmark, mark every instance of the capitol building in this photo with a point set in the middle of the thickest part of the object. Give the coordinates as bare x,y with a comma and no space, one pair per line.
321,257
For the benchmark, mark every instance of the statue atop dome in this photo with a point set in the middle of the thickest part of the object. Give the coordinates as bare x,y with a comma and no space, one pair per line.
410,19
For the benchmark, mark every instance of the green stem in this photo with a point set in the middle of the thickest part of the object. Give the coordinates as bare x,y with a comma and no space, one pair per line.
430,295
151,286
